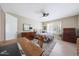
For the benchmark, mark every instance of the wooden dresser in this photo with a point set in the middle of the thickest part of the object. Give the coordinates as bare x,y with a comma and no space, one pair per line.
78,46
69,35
29,35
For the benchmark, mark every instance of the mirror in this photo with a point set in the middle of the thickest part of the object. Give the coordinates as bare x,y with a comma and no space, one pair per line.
26,27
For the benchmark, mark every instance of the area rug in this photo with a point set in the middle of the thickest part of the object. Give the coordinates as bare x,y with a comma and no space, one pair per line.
48,47
10,50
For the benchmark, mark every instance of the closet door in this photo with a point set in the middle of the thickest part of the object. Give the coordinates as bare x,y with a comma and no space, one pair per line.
10,27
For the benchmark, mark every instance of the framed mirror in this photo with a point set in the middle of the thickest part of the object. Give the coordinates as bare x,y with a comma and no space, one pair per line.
26,27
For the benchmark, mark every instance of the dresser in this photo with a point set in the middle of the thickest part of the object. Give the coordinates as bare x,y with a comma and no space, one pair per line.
69,35
29,35
78,46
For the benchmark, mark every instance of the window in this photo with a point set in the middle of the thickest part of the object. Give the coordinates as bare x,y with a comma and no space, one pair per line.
54,27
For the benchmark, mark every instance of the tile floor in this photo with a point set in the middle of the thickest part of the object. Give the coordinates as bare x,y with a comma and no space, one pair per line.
63,48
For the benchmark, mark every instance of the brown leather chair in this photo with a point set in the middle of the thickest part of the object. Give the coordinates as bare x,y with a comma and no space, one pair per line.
29,48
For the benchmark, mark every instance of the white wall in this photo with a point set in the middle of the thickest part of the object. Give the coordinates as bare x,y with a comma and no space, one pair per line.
2,20
35,24
70,22
78,21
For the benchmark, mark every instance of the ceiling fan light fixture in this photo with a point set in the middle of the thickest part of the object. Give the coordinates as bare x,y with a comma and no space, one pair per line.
45,14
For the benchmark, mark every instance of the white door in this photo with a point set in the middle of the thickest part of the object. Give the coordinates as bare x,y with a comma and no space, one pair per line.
10,27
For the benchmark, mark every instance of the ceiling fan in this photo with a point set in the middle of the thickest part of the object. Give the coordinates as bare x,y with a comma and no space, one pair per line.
44,13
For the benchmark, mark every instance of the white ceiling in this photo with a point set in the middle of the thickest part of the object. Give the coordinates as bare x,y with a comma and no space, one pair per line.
32,10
